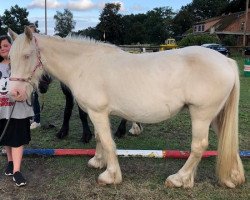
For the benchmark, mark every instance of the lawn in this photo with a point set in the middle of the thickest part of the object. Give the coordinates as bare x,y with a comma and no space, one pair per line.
143,178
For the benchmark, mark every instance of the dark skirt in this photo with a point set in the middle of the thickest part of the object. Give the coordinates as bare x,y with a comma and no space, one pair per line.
17,133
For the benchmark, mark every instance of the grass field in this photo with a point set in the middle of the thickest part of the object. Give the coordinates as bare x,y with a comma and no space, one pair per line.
143,178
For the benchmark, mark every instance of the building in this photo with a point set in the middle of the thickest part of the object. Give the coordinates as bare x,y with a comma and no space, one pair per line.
231,24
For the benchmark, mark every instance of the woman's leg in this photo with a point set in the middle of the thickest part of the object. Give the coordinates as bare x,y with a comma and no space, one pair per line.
9,153
9,167
17,155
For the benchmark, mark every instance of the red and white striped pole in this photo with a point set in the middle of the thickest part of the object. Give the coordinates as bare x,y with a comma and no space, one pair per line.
177,154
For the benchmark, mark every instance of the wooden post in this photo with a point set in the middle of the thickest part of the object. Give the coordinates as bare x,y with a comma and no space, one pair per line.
45,17
245,25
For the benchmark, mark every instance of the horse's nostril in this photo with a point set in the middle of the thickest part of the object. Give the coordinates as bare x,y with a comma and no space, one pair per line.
14,93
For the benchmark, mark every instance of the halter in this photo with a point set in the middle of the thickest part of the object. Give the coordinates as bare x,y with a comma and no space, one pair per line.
38,65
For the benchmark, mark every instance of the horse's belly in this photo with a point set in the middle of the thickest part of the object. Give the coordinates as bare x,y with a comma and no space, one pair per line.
148,114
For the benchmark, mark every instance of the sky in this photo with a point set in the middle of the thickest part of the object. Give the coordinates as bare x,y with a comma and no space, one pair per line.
85,12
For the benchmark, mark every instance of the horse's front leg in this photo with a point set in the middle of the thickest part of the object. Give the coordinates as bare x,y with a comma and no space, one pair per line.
98,161
112,175
63,132
86,133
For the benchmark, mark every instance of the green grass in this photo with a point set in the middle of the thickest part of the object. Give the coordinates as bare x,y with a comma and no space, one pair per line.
143,178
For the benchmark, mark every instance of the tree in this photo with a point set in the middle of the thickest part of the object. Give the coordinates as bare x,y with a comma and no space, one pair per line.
1,30
158,24
15,18
133,28
64,23
207,9
110,25
183,20
89,32
235,6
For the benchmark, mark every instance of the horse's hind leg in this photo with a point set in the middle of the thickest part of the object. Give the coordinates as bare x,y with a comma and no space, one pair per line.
121,130
112,175
136,128
185,176
86,134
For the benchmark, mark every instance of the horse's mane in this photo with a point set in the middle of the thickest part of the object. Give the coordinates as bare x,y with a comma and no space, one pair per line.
84,40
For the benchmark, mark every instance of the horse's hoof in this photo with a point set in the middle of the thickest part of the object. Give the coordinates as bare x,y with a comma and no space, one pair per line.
169,184
119,134
96,163
174,180
107,178
86,139
101,183
61,135
228,184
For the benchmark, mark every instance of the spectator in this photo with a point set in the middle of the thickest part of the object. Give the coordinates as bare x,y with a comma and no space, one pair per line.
18,130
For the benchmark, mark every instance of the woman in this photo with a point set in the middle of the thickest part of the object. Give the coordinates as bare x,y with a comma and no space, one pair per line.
18,131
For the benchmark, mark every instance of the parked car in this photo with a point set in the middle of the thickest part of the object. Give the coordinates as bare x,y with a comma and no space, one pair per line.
217,47
247,51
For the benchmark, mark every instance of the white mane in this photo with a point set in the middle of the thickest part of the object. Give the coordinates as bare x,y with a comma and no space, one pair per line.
85,40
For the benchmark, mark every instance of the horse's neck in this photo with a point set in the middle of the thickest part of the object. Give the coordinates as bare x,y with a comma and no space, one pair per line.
64,57
57,56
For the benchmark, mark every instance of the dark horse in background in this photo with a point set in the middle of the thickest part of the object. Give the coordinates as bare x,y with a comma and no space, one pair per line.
69,104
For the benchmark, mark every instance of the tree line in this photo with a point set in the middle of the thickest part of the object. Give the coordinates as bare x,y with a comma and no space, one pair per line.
152,27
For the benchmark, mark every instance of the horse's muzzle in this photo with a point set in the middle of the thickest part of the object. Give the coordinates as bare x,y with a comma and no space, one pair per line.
18,95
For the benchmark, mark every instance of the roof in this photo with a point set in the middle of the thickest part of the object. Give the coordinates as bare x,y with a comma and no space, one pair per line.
223,21
227,20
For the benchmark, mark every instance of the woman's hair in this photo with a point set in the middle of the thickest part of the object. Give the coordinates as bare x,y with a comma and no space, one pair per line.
4,37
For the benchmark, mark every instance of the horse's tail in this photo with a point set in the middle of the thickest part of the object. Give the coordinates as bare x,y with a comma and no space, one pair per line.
229,166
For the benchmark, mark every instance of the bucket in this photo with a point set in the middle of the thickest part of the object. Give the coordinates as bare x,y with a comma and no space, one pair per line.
247,63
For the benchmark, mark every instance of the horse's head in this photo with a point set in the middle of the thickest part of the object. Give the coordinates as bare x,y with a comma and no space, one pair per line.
25,60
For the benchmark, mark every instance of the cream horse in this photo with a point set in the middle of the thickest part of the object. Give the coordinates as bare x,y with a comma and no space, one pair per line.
147,88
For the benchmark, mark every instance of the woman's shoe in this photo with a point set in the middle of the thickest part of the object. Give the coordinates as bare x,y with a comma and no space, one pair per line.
35,125
9,169
19,179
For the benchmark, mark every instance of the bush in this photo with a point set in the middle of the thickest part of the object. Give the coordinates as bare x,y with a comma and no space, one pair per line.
229,40
191,40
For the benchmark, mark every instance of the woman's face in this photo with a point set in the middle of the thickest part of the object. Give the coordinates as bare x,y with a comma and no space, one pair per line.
4,48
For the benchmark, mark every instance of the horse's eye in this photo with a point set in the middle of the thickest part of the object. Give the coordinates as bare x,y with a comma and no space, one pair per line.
26,56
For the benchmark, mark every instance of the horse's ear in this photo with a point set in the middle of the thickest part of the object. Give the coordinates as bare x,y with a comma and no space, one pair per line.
12,34
28,33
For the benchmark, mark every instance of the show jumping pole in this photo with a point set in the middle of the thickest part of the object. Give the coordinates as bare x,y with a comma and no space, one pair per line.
177,154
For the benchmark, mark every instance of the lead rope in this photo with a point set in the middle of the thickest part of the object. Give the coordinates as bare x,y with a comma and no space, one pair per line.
29,104
7,124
